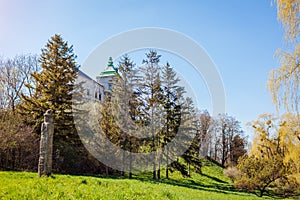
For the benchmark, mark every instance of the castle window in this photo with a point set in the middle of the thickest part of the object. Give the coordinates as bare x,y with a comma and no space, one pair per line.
110,86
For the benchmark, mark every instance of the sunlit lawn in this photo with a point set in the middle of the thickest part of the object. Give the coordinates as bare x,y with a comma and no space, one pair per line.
211,185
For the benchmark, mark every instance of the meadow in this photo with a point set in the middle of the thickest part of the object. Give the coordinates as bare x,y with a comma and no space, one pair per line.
212,184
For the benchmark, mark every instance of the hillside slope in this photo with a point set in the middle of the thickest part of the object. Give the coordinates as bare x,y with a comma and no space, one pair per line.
211,185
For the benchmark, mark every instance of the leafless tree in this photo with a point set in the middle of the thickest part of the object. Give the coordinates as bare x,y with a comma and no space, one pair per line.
205,126
228,128
14,75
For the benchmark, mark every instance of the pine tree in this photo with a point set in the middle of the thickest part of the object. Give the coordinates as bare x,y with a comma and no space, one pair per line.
171,92
124,105
55,84
151,97
54,87
109,128
188,127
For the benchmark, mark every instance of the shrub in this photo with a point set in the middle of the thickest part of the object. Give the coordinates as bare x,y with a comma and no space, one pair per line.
258,174
232,173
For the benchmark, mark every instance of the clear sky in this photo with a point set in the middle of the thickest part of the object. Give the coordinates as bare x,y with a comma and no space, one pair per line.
240,36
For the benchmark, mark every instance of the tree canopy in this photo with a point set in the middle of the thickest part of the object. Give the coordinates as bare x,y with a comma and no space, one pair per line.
284,81
54,85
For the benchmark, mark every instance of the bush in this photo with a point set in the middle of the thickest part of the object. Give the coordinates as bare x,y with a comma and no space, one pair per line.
232,173
287,187
259,174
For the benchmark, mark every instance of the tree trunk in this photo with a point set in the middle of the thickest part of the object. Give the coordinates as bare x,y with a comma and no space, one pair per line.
153,147
130,159
167,160
189,168
106,171
223,148
123,156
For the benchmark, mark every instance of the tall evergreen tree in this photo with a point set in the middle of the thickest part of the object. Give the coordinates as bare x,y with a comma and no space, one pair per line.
109,128
188,126
125,105
54,88
172,92
55,84
151,97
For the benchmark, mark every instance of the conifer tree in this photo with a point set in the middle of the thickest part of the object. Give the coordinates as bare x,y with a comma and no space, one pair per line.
55,85
124,105
151,97
172,92
53,89
109,128
188,127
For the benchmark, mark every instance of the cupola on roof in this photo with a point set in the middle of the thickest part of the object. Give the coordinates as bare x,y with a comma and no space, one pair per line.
110,70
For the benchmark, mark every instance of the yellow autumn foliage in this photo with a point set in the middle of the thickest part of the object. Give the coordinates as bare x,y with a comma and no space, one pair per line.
278,136
284,81
288,13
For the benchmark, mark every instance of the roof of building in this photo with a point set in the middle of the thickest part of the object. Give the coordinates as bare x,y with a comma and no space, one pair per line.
84,75
110,70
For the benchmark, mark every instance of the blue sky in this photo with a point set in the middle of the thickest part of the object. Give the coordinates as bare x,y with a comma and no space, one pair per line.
240,36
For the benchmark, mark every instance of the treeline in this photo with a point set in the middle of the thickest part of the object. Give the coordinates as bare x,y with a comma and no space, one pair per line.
148,97
30,85
18,144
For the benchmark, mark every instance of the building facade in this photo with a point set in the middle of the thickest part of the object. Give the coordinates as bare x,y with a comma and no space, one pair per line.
97,89
106,78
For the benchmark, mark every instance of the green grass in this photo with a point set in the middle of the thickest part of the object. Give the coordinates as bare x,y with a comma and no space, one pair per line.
211,185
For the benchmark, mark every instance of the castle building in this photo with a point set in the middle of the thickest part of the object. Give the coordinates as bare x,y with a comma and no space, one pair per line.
106,78
97,90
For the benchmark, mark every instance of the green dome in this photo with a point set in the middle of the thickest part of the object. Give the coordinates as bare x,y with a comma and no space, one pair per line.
110,70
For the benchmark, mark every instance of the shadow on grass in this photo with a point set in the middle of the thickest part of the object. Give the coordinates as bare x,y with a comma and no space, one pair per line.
221,187
214,178
217,185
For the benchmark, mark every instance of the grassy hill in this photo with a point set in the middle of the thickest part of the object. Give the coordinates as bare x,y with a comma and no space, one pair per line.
211,185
